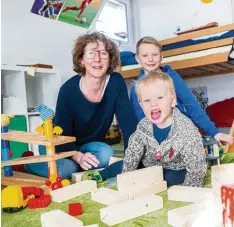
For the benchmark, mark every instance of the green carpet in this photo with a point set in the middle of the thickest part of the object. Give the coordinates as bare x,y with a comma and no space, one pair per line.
91,215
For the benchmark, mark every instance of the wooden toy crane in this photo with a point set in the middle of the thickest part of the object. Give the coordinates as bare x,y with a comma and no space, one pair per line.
48,139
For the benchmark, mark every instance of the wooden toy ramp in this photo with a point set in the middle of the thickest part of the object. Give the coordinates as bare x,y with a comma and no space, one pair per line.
36,138
230,148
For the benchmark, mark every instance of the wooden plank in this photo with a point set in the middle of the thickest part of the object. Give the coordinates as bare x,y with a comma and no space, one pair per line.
36,138
139,179
118,213
200,61
189,194
131,73
208,74
185,216
196,34
108,196
148,190
69,192
25,179
198,47
37,159
58,218
230,148
229,64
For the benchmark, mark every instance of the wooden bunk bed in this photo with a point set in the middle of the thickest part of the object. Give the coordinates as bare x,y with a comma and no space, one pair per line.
205,59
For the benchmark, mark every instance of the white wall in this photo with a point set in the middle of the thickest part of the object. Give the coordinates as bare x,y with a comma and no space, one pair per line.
28,38
219,87
160,18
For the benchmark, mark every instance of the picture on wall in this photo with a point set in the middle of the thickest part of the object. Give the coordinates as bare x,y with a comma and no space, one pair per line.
77,12
201,96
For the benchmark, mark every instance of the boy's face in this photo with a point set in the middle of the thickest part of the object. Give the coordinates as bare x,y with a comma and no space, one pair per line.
149,57
157,101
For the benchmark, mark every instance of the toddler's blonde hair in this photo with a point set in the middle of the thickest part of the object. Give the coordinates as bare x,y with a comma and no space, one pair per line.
152,77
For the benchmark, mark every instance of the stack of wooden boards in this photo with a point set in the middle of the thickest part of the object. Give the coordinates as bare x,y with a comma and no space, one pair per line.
136,197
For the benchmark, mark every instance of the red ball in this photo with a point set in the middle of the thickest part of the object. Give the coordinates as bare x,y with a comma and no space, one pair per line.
48,183
56,185
59,179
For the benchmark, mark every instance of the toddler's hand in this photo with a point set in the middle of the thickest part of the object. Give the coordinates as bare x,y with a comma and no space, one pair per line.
221,137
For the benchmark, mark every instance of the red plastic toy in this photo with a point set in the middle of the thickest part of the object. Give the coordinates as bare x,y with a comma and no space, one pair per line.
75,209
227,194
41,202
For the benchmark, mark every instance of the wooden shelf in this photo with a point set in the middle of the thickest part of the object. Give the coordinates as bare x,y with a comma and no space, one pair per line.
36,138
37,159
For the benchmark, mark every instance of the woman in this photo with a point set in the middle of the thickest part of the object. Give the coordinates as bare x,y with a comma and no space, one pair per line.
86,106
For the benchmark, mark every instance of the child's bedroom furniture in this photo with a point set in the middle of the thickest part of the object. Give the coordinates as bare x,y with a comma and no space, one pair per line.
196,58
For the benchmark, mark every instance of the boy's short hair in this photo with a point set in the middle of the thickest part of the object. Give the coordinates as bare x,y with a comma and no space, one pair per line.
148,40
150,78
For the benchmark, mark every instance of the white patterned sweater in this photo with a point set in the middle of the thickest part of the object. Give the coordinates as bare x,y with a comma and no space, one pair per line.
183,149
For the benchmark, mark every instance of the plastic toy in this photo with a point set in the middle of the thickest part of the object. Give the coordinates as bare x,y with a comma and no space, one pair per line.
13,199
75,209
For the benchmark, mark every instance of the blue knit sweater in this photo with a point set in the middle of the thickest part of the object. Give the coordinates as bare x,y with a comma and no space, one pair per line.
88,121
186,102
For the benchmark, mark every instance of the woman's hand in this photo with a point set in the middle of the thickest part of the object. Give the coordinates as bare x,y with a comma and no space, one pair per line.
86,161
221,137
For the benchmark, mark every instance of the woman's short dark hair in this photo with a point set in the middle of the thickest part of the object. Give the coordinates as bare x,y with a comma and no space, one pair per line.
79,48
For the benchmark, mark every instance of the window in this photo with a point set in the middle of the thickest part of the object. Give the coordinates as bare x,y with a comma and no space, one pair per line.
113,20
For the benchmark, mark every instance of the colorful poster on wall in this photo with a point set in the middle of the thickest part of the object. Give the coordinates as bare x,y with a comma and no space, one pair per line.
77,12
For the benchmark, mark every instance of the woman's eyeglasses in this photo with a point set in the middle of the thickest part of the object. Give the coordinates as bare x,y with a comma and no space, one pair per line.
103,54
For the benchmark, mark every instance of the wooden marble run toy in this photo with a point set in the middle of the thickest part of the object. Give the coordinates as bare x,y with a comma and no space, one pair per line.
5,146
46,138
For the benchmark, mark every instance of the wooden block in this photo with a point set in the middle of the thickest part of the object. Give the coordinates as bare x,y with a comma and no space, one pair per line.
69,192
185,216
58,218
220,175
37,159
139,179
189,194
152,189
118,213
114,159
76,177
108,196
36,138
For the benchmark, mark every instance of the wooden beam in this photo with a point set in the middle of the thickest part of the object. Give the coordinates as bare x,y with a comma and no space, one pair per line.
185,216
58,218
139,179
36,138
114,159
148,190
189,194
196,34
199,61
108,196
198,47
74,190
37,159
230,148
118,213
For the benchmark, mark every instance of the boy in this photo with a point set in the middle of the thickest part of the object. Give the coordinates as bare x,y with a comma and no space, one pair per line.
165,136
149,55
